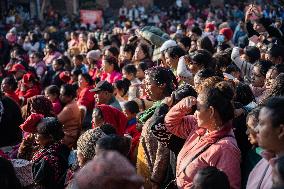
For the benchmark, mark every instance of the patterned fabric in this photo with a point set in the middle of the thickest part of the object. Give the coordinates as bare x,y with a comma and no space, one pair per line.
87,142
48,154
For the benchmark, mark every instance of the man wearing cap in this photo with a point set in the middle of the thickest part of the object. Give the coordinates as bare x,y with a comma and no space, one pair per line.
104,94
18,70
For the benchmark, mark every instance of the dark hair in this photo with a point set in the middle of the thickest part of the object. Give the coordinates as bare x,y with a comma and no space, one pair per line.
130,69
79,57
232,68
161,75
186,41
220,98
37,54
205,43
116,143
108,129
112,61
94,40
106,42
182,92
222,59
175,52
113,51
254,113
123,85
88,78
278,67
276,104
60,62
146,50
69,90
143,66
12,82
132,107
213,178
205,73
279,165
203,58
97,112
244,94
51,46
50,126
76,72
129,48
8,178
275,50
264,66
53,89
196,30
253,53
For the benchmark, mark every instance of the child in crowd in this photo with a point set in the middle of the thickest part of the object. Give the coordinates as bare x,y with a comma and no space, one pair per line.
210,178
129,72
131,109
52,93
78,61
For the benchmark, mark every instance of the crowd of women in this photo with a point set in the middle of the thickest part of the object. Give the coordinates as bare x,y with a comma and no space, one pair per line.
198,107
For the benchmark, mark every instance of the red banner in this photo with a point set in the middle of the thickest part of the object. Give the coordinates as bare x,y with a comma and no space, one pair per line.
91,17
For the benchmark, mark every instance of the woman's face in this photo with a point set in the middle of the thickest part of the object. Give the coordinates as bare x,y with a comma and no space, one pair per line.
251,125
171,62
197,83
5,87
63,98
152,90
50,97
90,44
267,134
202,113
42,140
108,68
81,38
55,65
139,54
82,82
257,79
270,78
33,59
140,73
194,68
97,120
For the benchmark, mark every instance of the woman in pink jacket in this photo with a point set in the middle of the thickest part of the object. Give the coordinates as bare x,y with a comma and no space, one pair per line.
209,137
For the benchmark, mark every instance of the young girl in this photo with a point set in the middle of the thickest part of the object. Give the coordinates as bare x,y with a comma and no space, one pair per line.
52,93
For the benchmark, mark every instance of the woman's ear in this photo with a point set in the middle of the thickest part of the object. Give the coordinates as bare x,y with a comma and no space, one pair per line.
212,112
281,131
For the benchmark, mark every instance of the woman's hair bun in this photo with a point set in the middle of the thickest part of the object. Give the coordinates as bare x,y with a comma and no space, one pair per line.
225,89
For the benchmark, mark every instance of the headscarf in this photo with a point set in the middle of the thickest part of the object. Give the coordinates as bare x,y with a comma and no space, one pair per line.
30,124
114,117
87,142
108,170
41,105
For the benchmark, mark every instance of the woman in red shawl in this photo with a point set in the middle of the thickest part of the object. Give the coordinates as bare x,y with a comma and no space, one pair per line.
106,114
29,87
86,99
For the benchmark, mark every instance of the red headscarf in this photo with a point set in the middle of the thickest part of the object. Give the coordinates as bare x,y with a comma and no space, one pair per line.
114,117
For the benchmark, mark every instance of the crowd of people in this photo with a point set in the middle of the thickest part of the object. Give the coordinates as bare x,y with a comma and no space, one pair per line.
146,102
